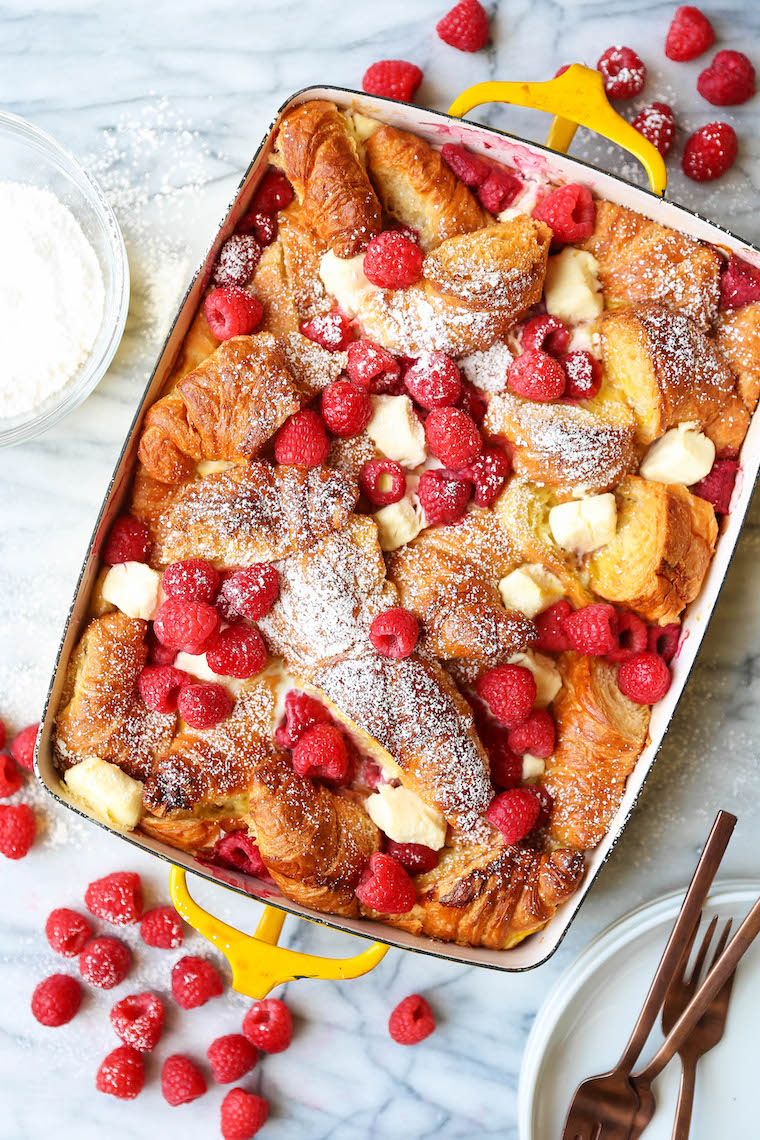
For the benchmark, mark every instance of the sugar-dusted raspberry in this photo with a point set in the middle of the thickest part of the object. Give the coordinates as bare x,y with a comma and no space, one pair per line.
331,331
162,927
386,887
370,365
583,374
443,497
569,211
392,261
302,440
56,1000
545,805
739,283
17,830
488,474
231,311
346,408
623,72
536,736
550,625
510,693
514,813
67,932
690,33
262,226
710,152
128,541
105,962
237,260
321,754
545,334
239,851
499,190
274,192
191,578
663,639
23,745
536,376
252,592
593,629
185,624
394,632
453,437
465,27
632,637
204,705
415,858
181,1080
657,123
243,1114
117,898
383,481
122,1074
269,1025
644,679
393,79
139,1020
237,651
411,1021
159,686
195,981
729,80
231,1057
433,381
10,776
472,403
301,712
467,166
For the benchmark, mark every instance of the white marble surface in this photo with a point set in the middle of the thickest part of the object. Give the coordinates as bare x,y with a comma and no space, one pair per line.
167,101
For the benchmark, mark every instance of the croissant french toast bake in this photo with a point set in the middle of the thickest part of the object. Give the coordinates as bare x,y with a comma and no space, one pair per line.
411,533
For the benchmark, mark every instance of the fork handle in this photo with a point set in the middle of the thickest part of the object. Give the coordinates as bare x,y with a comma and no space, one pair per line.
685,1106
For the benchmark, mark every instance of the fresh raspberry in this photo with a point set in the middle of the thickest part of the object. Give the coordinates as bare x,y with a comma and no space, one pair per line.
393,79
231,1057
730,79
231,311
545,805
252,592
162,927
443,497
718,485
243,1114
510,693
321,754
506,766
238,851
392,261
181,1080
657,123
452,437
105,962
159,685
158,654
237,261
262,226
472,403
411,1021
545,334
23,745
117,898
499,190
122,1074
415,858
368,774
569,211
204,705
386,887
551,628
710,152
371,366
583,375
690,33
332,331
195,981
192,578
623,72
67,932
10,777
537,376
632,637
237,651
433,381
139,1021
644,679
186,625
561,70
382,481
302,440
17,830
465,27
128,541
663,639
739,283
274,193
56,1000
536,736
301,713
593,629
514,813
346,408
472,170
269,1026
488,474
394,632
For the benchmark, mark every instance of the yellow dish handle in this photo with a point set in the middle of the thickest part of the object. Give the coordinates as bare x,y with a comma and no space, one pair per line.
258,963
575,98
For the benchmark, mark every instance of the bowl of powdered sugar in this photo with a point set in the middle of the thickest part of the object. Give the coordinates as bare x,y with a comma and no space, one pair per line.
64,292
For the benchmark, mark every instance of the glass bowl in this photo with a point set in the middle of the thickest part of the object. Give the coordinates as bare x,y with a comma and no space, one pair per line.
30,155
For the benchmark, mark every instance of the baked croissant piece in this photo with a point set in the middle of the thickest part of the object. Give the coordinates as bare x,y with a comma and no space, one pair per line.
287,280
738,340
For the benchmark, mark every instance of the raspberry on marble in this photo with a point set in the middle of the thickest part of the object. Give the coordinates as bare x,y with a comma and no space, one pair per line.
56,1000
393,79
231,1057
162,927
105,962
411,1021
268,1025
67,932
195,981
181,1080
122,1073
117,898
138,1020
243,1114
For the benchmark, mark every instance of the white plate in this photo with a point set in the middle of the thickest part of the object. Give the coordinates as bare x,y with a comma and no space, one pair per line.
586,1020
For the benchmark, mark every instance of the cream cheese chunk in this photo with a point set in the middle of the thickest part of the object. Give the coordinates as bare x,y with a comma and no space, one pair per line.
397,524
343,278
133,588
111,794
533,767
405,818
196,664
396,431
547,676
583,525
683,455
530,589
213,466
572,290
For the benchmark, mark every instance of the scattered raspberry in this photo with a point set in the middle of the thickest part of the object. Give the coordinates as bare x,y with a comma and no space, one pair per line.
472,403
159,686
739,283
393,79
243,1114
510,693
499,190
23,745
274,193
415,858
122,1074
550,625
253,591
657,123
392,261
231,1057
710,152
302,440
623,72
545,334
139,1021
453,437
330,330
56,1000
514,813
105,962
195,981
386,887
717,487
262,226
117,898
488,473
583,375
301,712
729,80
67,932
237,261
232,312
128,541
569,211
10,777
443,497
239,851
394,632
690,33
593,629
181,1080
346,408
545,805
237,651
465,27
185,625
192,578
371,366
433,381
162,928
632,637
472,170
663,639
644,679
411,1021
269,1026
204,705
17,830
536,376
382,481
321,754
536,736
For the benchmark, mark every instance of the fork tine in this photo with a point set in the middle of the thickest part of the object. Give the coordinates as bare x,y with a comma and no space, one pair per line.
699,961
721,943
680,976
